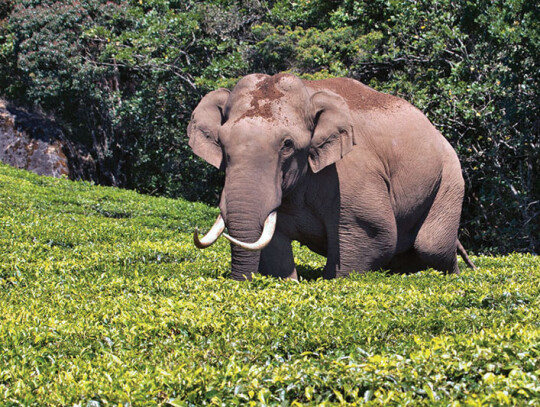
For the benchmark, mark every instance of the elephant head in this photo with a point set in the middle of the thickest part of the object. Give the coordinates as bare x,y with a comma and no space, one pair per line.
267,134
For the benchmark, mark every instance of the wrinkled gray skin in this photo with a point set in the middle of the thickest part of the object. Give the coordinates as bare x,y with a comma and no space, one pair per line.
358,176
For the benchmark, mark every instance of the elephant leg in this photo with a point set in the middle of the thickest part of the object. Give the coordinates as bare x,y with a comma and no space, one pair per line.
277,258
436,241
364,246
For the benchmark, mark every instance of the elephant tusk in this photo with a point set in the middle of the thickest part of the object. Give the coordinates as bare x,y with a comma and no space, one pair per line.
264,240
212,235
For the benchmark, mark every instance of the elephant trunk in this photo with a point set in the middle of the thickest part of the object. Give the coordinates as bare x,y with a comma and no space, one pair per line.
250,220
243,262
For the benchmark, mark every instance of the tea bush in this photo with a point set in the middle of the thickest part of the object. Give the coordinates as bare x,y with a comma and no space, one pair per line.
105,301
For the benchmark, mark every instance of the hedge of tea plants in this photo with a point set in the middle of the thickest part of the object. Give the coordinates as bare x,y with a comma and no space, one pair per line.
105,301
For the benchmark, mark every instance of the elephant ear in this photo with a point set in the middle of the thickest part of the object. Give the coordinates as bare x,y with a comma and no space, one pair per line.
203,128
333,134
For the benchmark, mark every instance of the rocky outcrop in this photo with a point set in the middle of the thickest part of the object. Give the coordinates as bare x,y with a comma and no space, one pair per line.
32,141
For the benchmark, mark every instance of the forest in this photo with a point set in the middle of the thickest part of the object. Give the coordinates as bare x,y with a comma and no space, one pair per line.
122,77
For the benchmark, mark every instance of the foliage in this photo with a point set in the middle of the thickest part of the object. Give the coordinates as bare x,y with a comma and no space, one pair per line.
51,65
123,77
104,300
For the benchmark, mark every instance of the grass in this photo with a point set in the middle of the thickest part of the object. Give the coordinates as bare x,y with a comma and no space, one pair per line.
105,301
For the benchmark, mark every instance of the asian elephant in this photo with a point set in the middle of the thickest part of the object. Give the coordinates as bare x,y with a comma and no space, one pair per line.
358,176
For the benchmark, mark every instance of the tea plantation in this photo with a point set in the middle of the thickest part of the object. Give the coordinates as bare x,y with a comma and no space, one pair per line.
105,301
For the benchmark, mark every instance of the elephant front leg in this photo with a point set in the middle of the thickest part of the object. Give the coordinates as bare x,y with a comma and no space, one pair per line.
365,247
277,258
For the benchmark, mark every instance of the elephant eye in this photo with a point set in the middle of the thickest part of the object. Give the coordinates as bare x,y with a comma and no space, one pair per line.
288,146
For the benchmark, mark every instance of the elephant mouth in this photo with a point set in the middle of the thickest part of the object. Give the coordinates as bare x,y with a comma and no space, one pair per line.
219,227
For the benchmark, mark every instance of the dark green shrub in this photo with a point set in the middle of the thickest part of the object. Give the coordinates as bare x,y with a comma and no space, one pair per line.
124,76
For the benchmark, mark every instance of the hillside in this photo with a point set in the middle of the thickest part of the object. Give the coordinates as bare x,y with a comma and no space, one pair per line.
104,300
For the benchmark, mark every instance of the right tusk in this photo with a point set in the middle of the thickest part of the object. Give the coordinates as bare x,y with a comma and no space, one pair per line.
264,240
212,235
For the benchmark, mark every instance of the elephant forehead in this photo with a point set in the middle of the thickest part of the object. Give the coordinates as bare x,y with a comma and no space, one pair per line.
252,129
271,98
269,114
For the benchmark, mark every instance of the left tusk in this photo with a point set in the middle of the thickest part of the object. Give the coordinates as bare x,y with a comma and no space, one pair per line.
212,235
264,240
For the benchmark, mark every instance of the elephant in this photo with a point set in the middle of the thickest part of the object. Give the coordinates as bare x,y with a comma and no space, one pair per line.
358,176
